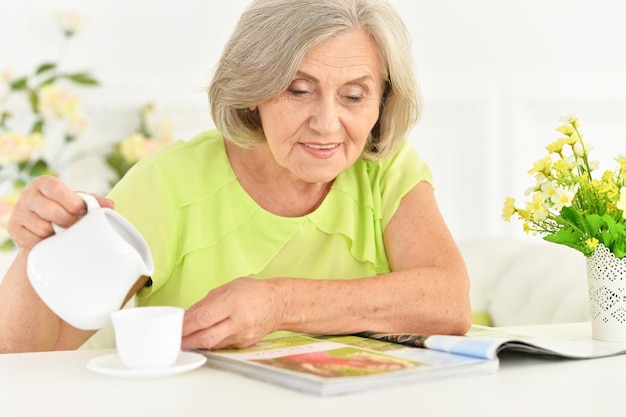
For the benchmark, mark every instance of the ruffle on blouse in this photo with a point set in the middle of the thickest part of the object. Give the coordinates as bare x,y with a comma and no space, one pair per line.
227,225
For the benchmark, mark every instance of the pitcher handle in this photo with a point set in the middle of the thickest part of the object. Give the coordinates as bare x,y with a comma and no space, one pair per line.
90,201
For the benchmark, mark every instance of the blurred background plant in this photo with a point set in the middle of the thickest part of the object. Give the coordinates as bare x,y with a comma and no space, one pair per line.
45,113
153,133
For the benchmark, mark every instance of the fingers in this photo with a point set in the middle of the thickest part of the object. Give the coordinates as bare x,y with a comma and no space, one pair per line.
201,326
206,338
229,316
45,201
220,336
200,316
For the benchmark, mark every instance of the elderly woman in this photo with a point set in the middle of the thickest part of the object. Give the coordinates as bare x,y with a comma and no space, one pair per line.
306,210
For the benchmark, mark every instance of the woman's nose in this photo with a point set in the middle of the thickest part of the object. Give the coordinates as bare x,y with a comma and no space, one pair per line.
325,119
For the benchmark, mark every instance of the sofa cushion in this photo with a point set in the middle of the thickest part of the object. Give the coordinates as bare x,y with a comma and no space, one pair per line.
519,282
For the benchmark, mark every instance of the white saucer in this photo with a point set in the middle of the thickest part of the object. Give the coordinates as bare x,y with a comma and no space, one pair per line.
112,365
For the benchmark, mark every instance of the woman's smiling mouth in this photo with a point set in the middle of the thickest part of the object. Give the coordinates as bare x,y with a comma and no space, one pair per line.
321,150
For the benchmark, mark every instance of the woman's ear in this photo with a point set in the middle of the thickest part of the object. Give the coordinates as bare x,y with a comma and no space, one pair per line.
253,107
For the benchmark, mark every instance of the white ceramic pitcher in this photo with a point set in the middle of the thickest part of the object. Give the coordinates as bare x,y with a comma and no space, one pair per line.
84,273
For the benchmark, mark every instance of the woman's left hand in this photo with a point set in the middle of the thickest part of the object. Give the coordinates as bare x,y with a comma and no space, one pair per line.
237,314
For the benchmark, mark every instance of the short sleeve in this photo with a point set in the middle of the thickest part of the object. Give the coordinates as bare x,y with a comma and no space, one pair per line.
398,175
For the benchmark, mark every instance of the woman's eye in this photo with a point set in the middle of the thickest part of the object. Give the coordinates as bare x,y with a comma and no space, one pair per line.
299,88
354,95
296,92
354,99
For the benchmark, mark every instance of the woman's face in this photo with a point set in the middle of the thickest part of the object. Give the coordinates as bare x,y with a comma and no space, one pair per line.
319,126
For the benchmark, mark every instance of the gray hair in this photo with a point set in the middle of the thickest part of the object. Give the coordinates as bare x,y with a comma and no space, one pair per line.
268,44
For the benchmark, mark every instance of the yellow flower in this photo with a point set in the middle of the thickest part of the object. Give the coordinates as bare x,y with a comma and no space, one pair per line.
621,204
557,146
133,148
525,215
509,209
18,147
563,167
537,207
566,129
54,102
541,166
592,243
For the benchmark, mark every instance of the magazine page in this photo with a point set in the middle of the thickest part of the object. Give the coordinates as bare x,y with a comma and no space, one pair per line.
339,364
571,348
487,342
484,347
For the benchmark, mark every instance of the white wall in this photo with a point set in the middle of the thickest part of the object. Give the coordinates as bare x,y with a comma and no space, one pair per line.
496,76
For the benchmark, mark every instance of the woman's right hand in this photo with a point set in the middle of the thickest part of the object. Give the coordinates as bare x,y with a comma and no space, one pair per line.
45,201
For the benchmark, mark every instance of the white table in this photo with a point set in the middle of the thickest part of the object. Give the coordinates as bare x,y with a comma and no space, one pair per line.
58,384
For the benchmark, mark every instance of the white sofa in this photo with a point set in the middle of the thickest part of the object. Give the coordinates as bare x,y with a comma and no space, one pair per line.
526,282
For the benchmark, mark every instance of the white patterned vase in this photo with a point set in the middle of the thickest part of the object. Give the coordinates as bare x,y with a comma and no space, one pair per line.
606,276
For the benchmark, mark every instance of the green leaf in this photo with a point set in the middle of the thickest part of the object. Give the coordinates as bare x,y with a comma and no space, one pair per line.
34,101
46,66
81,78
595,223
612,225
118,164
47,81
567,237
570,217
619,249
7,245
37,127
564,236
19,183
19,84
4,117
40,168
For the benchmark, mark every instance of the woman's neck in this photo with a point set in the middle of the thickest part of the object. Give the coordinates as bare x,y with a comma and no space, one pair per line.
272,186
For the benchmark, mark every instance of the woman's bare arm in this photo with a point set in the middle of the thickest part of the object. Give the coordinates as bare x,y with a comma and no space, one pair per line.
26,323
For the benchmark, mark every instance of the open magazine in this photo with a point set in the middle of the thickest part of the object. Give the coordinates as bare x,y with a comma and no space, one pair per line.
329,365
487,342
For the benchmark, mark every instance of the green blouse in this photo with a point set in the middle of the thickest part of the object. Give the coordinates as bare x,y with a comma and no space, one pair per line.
204,230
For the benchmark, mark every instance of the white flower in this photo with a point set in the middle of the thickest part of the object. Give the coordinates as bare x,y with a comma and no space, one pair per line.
563,197
548,189
70,21
578,149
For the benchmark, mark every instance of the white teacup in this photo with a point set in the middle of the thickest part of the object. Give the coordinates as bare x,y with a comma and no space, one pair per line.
148,337
84,273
